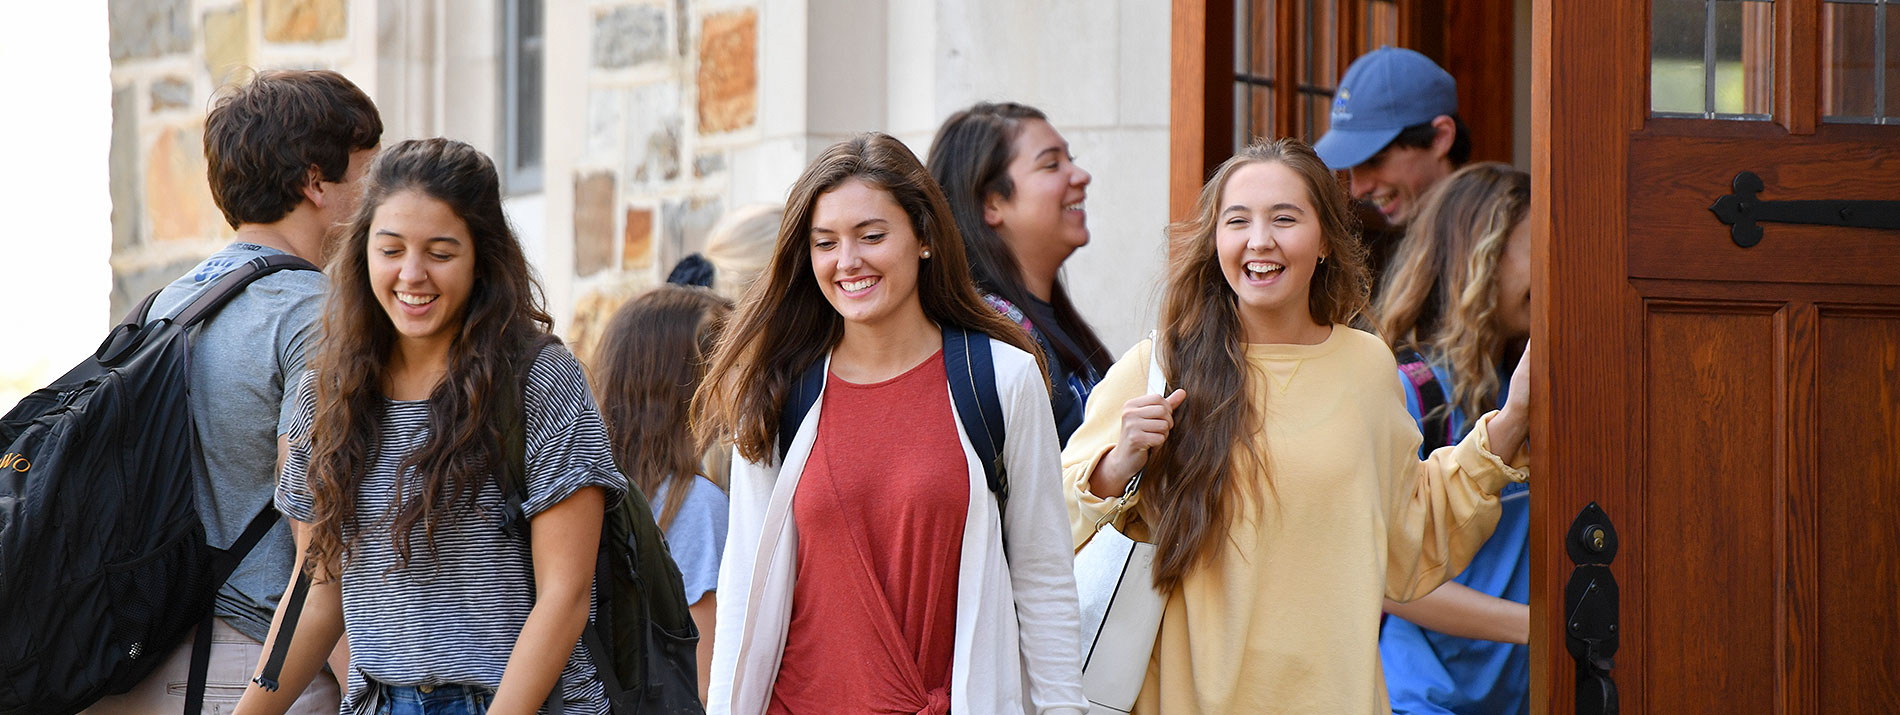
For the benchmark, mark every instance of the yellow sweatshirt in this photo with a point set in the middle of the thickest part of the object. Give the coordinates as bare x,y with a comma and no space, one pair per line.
1285,619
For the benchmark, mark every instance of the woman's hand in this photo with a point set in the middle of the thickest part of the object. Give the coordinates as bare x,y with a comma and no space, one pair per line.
1146,421
1511,425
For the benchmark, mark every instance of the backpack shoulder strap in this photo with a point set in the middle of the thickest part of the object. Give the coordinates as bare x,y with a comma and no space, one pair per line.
209,300
969,364
798,403
1434,417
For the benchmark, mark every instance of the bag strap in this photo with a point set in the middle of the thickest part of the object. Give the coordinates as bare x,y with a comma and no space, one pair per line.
233,282
514,473
1157,385
970,366
1434,417
798,403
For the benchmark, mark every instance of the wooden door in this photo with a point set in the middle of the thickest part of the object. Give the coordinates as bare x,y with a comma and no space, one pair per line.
1735,411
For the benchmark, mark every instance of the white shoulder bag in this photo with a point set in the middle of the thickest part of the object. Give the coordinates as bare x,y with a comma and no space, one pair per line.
1121,610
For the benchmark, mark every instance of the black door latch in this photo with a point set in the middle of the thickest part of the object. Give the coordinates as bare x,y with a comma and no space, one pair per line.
1590,610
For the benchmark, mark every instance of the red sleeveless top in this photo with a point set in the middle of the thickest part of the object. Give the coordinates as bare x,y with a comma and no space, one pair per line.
880,510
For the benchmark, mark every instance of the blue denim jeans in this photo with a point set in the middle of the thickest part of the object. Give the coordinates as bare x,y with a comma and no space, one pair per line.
437,700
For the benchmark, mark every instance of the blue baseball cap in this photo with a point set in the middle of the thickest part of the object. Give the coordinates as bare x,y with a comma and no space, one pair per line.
1383,92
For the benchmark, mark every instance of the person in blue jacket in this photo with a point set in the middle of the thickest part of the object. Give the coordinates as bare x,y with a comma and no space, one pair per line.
1456,311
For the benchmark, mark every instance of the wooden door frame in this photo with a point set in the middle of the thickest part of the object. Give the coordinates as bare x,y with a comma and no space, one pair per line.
1577,153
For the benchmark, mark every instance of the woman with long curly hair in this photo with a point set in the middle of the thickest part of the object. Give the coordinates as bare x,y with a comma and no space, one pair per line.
869,567
435,358
1282,487
1457,308
650,361
1018,199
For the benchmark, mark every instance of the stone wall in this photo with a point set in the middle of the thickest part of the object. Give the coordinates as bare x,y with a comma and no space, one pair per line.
661,115
671,87
168,58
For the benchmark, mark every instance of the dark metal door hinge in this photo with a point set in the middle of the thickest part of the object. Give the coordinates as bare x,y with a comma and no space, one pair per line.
1741,210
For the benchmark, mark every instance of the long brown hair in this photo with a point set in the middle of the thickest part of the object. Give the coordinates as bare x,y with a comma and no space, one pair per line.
648,365
501,321
1441,296
970,161
785,323
1211,449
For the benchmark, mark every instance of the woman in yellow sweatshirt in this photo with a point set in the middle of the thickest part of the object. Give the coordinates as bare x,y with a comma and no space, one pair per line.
1282,487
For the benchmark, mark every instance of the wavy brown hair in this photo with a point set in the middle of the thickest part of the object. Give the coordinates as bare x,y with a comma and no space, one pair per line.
785,323
501,322
1190,479
649,363
1441,296
970,161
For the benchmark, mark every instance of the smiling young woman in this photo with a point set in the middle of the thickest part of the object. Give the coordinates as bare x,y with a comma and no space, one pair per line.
1282,488
868,568
1019,200
434,324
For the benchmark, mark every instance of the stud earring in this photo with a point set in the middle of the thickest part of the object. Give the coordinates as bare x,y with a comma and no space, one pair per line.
1322,260
926,253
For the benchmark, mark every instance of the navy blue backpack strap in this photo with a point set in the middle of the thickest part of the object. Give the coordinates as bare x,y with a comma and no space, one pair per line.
968,363
798,403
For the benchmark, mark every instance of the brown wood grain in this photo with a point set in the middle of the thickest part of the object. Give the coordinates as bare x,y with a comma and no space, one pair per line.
1581,309
1479,50
1798,65
1674,179
1709,493
1858,477
1201,111
1797,654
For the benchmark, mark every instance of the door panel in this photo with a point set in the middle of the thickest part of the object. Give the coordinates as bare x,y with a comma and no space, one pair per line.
1858,383
1735,411
1707,375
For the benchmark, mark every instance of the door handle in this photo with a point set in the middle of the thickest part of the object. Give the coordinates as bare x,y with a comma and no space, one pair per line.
1591,609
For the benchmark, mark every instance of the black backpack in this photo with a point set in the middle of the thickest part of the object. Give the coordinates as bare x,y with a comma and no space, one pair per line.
968,363
642,640
104,568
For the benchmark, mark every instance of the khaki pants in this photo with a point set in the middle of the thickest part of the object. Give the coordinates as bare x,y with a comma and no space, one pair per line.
234,659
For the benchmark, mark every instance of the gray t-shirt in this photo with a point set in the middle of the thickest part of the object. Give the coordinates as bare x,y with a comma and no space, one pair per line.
240,361
697,536
452,614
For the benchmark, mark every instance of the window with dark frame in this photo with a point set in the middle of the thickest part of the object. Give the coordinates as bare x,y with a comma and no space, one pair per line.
1287,90
521,88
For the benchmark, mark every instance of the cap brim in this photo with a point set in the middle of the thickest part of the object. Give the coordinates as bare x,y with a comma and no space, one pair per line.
1343,149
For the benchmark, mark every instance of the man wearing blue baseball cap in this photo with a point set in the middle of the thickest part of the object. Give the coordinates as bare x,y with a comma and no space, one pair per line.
1395,125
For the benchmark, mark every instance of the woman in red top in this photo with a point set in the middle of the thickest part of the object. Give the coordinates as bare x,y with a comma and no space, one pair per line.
869,566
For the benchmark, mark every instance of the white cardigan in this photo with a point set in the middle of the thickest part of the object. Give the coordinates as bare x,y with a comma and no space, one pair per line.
1020,564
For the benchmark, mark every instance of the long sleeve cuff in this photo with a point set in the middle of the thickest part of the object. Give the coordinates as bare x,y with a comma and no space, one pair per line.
1475,456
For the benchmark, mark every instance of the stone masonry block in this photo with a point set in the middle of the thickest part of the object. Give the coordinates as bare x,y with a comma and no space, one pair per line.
728,71
123,165
177,197
593,222
148,28
686,223
629,35
636,247
227,41
304,21
170,93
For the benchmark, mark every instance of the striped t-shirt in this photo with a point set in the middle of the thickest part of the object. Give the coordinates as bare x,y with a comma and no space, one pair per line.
452,616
